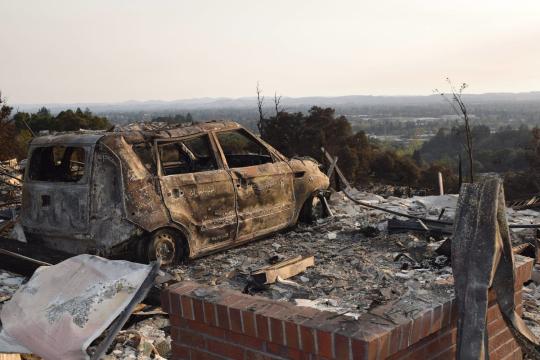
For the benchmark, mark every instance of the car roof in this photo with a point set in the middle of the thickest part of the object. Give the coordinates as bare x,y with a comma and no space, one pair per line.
135,133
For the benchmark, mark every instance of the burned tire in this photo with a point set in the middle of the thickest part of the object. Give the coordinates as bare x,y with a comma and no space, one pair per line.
312,210
167,246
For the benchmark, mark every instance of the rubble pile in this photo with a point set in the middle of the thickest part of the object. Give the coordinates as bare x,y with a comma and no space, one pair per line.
10,182
531,302
358,265
146,339
9,283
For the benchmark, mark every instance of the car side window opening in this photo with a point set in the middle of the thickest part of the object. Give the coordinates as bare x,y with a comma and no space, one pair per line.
241,150
147,157
187,156
57,164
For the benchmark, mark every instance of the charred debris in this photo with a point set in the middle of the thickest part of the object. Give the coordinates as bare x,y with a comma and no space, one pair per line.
192,199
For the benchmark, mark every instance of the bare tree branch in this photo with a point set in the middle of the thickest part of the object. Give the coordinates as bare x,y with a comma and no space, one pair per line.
459,107
277,101
260,102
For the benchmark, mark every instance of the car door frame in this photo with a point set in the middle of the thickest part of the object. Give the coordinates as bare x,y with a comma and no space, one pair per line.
276,158
197,244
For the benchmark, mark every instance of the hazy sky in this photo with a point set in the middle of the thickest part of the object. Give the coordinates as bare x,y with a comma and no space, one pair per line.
94,51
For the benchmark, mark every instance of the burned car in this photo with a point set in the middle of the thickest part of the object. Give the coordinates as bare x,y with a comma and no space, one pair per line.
163,194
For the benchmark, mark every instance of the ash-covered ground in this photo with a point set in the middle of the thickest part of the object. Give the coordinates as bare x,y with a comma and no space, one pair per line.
358,267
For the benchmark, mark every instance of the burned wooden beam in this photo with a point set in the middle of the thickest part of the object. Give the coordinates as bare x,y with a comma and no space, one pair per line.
400,226
284,269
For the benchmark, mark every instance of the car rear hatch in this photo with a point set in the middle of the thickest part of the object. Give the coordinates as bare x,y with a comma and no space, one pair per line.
57,185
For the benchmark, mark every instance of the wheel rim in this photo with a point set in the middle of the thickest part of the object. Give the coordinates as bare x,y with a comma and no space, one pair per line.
164,248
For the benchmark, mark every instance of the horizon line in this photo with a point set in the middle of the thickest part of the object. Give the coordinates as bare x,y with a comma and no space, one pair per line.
254,97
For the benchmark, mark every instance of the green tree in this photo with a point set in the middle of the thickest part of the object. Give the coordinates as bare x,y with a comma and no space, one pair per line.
9,146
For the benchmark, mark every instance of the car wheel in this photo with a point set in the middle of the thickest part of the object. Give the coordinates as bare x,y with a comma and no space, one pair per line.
166,246
312,210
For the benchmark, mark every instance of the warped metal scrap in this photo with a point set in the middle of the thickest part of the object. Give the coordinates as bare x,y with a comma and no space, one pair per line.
63,308
482,257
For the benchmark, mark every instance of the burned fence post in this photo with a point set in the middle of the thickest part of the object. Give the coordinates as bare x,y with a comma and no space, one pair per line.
482,257
441,184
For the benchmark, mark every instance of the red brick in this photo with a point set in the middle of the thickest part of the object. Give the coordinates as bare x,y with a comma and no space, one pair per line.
284,351
441,342
405,337
174,304
190,338
307,312
276,331
446,314
382,346
395,337
175,320
236,320
454,312
436,319
493,312
209,313
496,326
372,349
359,349
416,331
244,303
225,349
291,335
518,355
448,354
174,332
203,355
165,303
255,355
247,341
426,323
183,287
500,338
198,310
187,311
341,347
231,297
262,327
223,316
205,329
248,323
502,351
179,352
307,336
518,297
325,343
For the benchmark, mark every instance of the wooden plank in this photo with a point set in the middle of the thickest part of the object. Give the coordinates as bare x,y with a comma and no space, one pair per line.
338,170
331,168
285,269
10,357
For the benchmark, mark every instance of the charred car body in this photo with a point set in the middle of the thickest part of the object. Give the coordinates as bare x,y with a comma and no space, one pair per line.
168,194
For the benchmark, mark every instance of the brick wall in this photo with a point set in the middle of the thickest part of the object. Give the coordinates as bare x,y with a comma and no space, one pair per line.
211,323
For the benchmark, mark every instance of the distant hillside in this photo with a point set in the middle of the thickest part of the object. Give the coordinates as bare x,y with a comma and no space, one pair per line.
288,102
